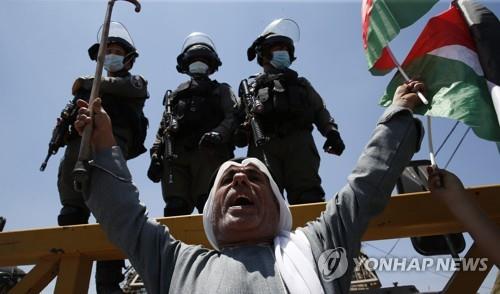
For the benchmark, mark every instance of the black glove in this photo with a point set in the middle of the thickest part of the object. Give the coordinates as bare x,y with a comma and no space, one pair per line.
155,169
334,143
210,139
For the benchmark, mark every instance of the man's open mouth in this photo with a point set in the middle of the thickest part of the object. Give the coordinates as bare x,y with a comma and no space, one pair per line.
241,200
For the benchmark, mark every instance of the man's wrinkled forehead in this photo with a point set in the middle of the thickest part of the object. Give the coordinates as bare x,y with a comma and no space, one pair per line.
247,168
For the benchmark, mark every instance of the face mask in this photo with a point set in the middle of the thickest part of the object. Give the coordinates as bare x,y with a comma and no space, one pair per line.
198,67
113,62
281,59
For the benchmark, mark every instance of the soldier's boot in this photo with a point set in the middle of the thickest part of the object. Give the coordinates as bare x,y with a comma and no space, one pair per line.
310,196
71,215
108,276
176,206
109,289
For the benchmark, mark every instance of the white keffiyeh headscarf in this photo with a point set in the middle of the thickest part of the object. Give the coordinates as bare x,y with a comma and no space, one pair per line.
292,250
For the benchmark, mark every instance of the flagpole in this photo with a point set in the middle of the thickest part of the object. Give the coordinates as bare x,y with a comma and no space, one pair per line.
405,76
431,146
424,100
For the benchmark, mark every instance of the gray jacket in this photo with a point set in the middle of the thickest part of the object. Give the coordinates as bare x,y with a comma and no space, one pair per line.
168,265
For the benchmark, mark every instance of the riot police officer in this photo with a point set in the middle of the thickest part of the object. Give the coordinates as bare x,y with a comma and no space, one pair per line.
194,136
289,106
123,96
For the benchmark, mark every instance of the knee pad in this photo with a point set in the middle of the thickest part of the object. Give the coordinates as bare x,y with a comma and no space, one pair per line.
71,215
176,206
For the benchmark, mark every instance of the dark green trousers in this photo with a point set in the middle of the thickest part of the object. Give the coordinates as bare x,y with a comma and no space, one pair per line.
185,181
294,162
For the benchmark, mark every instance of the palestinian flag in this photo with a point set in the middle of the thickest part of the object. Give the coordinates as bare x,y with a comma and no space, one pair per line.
485,29
381,21
445,57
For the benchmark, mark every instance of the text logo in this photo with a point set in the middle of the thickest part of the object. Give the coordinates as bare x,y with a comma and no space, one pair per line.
332,264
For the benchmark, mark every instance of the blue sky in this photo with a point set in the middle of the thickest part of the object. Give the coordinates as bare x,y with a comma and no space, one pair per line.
43,49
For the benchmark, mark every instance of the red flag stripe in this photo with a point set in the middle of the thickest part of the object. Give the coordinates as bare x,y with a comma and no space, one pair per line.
366,10
385,62
448,28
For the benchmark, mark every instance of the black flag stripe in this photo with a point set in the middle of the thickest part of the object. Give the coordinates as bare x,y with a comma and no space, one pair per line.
485,30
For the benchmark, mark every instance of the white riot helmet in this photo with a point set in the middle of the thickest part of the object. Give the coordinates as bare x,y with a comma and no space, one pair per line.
117,34
282,30
198,47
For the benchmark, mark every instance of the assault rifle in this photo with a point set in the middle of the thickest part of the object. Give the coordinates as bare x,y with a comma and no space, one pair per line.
253,106
171,126
60,131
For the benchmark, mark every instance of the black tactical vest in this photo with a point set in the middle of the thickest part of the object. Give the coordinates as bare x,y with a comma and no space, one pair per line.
125,113
287,107
196,104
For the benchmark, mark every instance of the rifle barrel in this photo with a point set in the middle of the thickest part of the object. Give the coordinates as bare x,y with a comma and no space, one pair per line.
44,163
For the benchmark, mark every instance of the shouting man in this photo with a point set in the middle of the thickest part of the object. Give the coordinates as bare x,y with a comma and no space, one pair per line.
247,220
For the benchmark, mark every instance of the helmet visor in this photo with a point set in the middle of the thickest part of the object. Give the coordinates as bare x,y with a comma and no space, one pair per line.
283,27
197,38
117,30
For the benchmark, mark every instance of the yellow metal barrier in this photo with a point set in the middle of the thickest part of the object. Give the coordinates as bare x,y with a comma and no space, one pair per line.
68,252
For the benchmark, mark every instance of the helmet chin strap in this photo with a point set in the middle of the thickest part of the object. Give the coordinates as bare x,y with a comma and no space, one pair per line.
129,57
